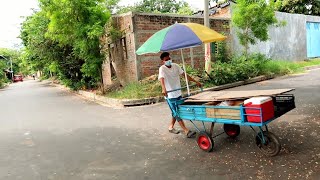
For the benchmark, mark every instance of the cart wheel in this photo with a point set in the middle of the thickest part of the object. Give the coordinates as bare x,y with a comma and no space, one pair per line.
205,141
231,130
272,145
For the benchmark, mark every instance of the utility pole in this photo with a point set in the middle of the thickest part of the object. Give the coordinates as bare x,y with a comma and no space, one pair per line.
11,68
207,49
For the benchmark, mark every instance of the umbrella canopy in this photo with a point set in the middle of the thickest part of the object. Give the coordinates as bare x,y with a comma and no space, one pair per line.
178,36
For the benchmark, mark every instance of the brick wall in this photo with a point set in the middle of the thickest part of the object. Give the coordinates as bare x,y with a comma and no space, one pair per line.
137,28
123,58
146,25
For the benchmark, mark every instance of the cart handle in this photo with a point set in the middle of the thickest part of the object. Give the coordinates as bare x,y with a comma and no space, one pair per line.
184,88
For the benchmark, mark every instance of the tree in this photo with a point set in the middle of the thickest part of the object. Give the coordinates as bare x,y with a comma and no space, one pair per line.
65,36
252,19
159,6
11,55
308,7
185,9
79,24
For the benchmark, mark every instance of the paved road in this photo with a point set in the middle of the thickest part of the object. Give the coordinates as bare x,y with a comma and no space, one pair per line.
47,133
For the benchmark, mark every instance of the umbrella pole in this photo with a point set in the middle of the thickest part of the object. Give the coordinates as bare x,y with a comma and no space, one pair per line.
185,72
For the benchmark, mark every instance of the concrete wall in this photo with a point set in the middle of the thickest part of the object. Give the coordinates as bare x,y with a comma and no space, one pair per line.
286,43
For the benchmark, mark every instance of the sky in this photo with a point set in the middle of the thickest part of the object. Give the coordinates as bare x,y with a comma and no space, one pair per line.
13,13
11,16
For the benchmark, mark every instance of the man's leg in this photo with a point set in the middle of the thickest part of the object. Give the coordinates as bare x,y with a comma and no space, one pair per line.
171,126
173,121
187,132
183,126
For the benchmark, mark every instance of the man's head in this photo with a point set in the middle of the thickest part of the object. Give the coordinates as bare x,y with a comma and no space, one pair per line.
165,56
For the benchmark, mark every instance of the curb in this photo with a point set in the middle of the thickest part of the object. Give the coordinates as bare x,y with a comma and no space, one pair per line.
111,102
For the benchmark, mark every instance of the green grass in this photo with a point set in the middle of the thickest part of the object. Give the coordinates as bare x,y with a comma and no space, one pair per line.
309,63
286,67
280,68
137,90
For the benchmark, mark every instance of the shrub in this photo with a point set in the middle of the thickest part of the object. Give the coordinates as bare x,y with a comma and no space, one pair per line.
279,68
238,69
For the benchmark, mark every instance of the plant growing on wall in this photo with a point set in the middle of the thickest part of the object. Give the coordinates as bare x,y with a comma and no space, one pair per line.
308,7
252,19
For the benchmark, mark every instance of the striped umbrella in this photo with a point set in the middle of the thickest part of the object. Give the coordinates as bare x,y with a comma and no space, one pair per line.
179,36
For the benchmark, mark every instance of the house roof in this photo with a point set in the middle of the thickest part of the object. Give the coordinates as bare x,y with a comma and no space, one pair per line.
217,10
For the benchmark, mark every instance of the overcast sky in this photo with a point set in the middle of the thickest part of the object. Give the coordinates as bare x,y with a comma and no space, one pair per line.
12,14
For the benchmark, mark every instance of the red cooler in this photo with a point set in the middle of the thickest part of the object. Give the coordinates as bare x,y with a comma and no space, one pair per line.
266,105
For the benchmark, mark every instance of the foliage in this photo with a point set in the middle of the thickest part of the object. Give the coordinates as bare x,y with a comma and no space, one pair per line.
113,32
193,72
81,30
63,38
280,68
252,18
112,5
158,6
185,10
8,56
312,62
11,55
307,7
221,54
3,79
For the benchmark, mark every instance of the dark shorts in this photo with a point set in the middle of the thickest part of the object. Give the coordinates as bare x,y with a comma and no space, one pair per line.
175,107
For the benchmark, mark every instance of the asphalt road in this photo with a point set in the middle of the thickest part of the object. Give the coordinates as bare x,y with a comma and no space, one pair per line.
48,133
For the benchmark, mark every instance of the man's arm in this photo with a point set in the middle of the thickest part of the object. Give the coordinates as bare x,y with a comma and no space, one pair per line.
191,79
164,91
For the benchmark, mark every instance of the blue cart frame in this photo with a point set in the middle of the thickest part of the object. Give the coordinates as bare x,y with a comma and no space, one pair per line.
267,142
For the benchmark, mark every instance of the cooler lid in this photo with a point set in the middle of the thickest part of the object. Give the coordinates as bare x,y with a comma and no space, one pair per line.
258,100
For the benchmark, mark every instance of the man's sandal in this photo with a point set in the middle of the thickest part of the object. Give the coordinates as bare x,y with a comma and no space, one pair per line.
174,131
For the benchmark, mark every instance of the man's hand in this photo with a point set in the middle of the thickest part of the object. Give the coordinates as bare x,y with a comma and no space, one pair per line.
164,92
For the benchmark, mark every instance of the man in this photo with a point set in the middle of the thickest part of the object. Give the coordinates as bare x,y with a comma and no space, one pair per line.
169,77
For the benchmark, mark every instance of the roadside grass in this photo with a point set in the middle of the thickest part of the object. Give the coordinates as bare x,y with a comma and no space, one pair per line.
280,68
151,88
312,62
137,90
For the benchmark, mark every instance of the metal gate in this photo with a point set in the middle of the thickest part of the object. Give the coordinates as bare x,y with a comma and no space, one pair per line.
313,39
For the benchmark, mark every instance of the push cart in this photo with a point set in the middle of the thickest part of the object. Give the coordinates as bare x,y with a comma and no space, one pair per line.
207,111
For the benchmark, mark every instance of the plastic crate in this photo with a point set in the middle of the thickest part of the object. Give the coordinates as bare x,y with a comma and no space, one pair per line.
283,103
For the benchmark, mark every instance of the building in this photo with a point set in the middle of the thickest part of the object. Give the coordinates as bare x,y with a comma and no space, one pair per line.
136,28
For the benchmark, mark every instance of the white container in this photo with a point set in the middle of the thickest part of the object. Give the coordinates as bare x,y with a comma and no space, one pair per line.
257,100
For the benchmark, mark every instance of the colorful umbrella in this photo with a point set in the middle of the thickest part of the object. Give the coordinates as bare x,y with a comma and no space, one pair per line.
179,36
